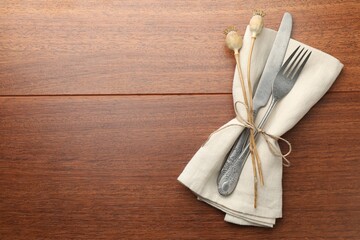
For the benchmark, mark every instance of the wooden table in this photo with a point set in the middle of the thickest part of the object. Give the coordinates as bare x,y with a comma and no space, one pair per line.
103,103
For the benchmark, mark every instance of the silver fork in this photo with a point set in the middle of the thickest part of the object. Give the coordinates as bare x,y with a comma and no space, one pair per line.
283,83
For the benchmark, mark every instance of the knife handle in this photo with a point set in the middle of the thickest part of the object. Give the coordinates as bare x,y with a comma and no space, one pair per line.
236,149
235,152
228,182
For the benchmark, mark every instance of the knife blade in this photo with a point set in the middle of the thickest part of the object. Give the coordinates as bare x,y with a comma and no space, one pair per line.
262,95
273,63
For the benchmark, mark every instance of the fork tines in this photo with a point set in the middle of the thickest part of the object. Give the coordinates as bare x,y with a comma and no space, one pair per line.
296,65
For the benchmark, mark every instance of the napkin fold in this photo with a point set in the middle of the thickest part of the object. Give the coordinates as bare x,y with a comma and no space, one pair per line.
200,174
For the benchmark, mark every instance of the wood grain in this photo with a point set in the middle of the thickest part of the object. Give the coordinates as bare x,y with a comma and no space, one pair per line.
153,46
103,103
106,168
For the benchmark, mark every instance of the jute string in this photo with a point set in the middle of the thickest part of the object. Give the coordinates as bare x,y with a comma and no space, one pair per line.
267,136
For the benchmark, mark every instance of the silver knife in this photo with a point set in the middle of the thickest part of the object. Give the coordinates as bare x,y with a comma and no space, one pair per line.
263,91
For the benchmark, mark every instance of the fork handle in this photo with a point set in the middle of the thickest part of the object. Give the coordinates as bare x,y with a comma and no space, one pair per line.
229,180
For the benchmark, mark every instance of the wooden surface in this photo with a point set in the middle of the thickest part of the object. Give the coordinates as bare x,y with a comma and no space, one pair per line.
103,103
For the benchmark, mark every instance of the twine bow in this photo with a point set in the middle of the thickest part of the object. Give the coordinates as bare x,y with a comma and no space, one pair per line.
267,136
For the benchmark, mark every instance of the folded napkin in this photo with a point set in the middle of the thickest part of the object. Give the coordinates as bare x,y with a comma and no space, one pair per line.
200,174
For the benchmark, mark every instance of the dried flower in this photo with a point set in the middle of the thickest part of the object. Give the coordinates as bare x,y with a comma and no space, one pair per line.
233,39
256,23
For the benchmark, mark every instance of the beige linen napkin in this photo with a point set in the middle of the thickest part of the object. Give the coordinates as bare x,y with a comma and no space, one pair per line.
200,174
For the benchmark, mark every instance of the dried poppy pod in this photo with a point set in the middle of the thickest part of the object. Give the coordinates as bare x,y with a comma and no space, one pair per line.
233,39
256,23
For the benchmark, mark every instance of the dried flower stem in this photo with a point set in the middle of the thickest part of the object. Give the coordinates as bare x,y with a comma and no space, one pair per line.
256,24
237,59
249,114
251,121
255,154
234,42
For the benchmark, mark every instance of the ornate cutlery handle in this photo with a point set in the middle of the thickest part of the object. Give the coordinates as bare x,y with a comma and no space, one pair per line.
235,152
228,181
